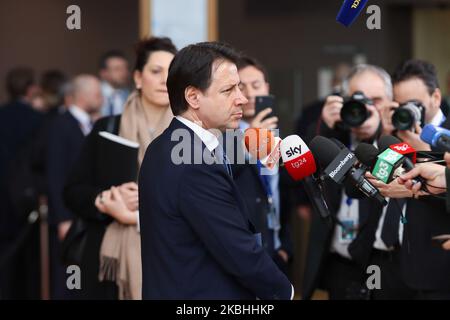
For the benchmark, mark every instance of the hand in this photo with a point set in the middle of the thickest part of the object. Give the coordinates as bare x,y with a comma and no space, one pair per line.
331,112
446,245
386,111
391,190
99,203
63,228
433,173
413,139
130,195
269,123
284,256
447,159
114,205
370,126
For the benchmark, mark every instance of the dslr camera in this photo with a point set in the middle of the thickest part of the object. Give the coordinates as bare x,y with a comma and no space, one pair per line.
408,114
354,111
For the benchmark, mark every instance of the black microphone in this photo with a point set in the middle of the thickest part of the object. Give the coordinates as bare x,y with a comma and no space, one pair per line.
340,165
350,189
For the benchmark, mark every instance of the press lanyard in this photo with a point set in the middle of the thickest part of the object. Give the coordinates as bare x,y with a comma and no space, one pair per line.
272,218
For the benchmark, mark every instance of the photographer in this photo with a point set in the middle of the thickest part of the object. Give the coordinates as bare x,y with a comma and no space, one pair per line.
426,217
416,88
338,255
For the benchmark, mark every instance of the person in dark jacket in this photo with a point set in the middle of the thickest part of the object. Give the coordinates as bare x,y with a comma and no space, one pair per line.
109,210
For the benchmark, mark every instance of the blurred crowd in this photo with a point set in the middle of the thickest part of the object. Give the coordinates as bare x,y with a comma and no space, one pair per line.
58,206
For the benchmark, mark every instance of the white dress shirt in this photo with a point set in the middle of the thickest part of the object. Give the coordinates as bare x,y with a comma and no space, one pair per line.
210,140
83,119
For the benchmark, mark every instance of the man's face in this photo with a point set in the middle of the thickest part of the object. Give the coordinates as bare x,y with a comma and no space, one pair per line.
373,88
117,72
93,98
252,85
220,106
415,89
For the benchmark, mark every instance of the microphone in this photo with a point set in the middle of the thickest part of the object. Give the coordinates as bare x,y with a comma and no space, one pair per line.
341,164
399,147
263,145
297,158
437,137
350,10
367,154
300,164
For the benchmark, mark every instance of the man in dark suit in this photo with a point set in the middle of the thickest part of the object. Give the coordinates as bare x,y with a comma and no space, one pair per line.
197,240
265,193
424,267
19,123
65,139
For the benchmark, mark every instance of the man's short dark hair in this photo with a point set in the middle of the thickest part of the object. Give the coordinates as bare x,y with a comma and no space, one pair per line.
18,81
420,69
103,63
192,66
246,61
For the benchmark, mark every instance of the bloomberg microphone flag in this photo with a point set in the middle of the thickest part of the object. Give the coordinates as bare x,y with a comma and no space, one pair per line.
350,10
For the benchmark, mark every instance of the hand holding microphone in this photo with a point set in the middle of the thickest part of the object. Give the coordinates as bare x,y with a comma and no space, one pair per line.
434,175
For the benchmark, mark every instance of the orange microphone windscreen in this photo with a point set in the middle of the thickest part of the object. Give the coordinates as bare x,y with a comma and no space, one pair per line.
259,142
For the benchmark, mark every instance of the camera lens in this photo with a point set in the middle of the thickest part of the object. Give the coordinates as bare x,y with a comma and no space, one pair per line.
354,113
406,115
403,119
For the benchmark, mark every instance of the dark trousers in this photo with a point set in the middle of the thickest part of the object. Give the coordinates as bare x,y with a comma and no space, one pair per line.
344,279
392,285
58,275
20,276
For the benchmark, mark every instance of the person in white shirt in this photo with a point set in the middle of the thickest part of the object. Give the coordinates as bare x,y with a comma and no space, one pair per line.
115,75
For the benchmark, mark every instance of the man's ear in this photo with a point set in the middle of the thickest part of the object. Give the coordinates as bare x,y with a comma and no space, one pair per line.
192,96
268,87
436,98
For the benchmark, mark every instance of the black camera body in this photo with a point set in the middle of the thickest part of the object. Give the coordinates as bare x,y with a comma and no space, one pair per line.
354,111
408,114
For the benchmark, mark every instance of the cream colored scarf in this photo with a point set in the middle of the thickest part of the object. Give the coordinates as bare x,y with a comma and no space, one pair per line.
120,253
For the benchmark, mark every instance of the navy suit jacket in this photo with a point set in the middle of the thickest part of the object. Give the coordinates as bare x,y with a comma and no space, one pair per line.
197,240
64,145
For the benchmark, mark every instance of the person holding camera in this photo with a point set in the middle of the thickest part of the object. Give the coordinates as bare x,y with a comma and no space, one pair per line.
419,102
424,267
338,255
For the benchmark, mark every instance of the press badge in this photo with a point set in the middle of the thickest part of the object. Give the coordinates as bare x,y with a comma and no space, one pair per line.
347,231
